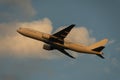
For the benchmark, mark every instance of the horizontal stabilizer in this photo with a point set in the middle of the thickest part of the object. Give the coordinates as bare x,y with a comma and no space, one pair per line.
64,52
98,49
99,55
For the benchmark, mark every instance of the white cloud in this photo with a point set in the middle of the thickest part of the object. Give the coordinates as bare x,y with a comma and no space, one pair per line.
18,45
111,42
17,9
79,35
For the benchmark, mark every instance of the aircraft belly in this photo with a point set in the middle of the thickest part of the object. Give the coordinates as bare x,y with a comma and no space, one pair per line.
79,48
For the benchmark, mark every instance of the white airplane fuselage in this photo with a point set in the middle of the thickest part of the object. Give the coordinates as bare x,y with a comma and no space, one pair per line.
44,37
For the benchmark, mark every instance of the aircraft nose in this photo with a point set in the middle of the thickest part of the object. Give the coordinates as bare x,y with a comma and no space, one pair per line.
18,30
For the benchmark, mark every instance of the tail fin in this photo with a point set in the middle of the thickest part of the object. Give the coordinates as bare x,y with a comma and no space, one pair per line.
99,46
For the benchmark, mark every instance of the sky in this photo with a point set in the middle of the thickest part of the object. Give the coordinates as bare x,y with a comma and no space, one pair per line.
23,58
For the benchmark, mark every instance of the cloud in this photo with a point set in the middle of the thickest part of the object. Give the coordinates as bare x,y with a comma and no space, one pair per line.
18,45
16,9
79,35
111,42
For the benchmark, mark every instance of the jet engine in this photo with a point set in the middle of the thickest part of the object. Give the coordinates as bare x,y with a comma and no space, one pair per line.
47,47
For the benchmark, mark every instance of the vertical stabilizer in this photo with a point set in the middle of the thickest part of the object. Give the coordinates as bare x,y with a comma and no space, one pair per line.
99,45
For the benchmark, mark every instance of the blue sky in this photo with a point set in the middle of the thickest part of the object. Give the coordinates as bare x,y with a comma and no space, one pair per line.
100,18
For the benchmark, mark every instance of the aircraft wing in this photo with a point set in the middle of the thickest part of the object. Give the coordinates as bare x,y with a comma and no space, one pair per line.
66,53
63,33
59,36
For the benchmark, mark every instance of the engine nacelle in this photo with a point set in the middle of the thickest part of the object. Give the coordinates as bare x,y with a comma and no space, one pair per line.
47,47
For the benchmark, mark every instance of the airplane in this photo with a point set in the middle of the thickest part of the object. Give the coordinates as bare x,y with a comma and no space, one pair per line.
57,41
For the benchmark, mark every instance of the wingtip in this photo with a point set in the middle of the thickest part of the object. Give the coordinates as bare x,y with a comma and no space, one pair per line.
73,25
73,57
